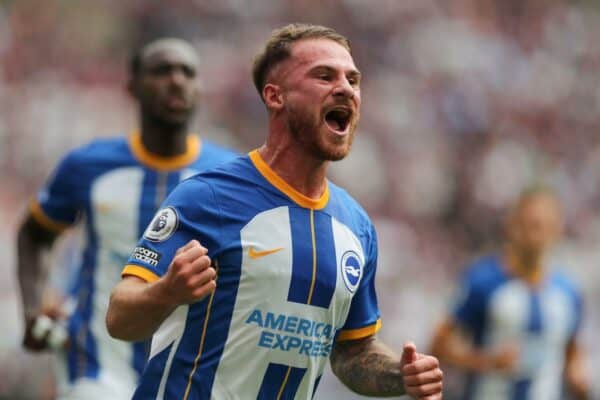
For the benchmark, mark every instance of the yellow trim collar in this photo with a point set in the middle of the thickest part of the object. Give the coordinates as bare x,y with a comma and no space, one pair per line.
353,334
275,180
41,218
152,160
140,272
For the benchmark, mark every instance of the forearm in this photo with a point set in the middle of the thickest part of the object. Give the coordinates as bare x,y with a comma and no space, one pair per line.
368,367
576,375
31,268
450,348
136,309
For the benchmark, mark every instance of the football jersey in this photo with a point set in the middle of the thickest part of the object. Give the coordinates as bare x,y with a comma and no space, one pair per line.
115,186
499,310
294,275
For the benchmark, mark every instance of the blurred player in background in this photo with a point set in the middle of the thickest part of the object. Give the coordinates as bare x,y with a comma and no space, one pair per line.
514,326
113,187
295,255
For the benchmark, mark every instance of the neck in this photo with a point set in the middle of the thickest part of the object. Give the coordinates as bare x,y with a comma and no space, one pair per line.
164,140
294,164
526,265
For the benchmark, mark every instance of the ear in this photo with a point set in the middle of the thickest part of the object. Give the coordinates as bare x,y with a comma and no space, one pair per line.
273,97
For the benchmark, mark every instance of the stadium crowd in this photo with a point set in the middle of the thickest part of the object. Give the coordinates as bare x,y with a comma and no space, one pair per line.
464,103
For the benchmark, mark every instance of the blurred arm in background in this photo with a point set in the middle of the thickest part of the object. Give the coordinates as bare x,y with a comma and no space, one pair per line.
451,346
33,240
576,375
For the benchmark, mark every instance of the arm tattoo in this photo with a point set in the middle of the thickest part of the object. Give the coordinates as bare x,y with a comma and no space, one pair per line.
368,367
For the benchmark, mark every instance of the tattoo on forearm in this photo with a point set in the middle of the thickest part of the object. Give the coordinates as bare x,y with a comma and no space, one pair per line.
368,367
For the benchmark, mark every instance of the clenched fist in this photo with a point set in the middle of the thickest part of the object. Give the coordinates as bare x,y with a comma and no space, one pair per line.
190,276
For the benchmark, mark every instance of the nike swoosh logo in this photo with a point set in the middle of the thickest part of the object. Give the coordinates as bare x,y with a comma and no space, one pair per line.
258,254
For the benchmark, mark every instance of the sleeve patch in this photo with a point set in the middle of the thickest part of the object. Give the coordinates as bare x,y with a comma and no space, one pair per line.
146,256
163,225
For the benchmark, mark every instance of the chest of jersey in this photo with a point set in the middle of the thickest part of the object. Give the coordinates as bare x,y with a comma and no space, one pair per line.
299,271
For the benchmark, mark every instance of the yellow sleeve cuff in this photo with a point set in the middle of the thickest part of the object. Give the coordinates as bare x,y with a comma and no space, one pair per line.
41,218
140,272
353,334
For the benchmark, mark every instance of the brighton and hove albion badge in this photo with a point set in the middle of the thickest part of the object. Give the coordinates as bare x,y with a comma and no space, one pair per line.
163,225
351,270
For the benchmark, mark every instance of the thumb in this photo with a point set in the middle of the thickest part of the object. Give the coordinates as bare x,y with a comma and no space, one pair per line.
409,353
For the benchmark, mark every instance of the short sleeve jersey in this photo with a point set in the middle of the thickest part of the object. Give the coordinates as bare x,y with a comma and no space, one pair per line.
114,186
498,310
294,274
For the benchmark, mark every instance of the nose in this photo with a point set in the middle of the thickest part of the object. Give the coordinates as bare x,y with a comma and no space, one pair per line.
344,89
178,76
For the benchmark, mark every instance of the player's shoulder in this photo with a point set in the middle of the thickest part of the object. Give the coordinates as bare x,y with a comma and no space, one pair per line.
565,282
346,208
98,150
485,272
228,175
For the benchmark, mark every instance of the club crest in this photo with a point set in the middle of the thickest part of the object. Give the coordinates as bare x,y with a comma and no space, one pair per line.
352,270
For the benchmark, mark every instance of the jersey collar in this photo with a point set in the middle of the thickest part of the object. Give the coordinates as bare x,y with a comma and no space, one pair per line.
144,156
283,186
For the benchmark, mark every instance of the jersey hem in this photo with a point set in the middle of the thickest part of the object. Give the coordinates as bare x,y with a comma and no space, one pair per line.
353,334
140,272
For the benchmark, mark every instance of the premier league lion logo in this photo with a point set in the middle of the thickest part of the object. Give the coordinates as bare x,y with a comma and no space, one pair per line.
163,225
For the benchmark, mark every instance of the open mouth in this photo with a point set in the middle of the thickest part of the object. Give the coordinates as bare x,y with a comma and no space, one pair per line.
338,119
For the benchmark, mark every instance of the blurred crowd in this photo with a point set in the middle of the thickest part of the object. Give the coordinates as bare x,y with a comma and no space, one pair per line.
465,103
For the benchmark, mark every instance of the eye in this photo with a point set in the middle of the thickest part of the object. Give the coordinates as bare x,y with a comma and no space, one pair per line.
353,80
189,72
325,77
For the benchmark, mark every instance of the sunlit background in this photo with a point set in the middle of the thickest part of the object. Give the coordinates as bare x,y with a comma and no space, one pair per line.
464,103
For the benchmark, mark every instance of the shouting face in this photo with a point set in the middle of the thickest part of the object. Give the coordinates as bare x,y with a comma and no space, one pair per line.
319,86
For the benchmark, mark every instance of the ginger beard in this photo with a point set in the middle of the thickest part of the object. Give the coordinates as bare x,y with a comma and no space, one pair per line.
313,130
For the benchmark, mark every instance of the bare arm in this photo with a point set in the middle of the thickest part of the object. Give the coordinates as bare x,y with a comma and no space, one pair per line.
369,367
450,346
33,240
575,373
137,308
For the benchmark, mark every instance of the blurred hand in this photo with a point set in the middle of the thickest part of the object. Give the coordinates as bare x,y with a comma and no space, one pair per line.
577,382
504,360
43,332
421,373
190,277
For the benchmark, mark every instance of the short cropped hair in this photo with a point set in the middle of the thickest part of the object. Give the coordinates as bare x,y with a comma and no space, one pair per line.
278,48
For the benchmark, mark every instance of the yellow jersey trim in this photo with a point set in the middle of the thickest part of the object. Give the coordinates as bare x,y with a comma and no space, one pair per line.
143,155
140,272
285,379
353,334
275,180
314,257
202,337
44,220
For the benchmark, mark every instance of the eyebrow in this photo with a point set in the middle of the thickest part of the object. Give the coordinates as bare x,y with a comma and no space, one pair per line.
326,68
